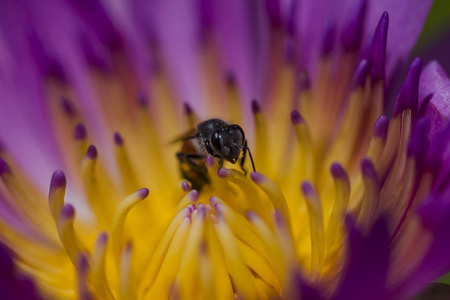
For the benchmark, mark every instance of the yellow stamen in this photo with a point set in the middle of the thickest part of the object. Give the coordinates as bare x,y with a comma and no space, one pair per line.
119,219
99,278
125,290
67,233
161,284
240,274
316,228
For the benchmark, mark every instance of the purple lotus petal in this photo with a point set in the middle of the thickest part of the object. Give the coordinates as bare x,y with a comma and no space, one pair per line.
367,263
242,36
405,26
435,81
12,284
174,26
436,261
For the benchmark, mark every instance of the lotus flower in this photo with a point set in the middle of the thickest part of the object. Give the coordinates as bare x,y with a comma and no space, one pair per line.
349,199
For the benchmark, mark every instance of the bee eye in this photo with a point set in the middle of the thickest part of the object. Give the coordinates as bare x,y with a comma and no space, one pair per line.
215,141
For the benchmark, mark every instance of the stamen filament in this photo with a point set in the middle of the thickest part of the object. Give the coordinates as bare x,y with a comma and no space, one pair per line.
316,227
119,219
99,279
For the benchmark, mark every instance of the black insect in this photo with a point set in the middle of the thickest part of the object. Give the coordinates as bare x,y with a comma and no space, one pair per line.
213,137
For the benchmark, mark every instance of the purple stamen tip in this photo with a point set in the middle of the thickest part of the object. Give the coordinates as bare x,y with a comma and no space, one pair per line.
223,173
80,132
360,76
424,104
381,126
210,162
143,193
68,211
378,48
338,171
142,99
218,209
256,177
82,263
67,106
194,195
91,152
118,140
58,180
329,38
250,215
353,32
213,201
230,79
187,109
103,237
279,218
409,92
304,81
368,170
256,108
307,188
185,186
296,118
4,167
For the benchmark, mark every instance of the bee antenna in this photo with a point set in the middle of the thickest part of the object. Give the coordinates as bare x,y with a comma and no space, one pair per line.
251,157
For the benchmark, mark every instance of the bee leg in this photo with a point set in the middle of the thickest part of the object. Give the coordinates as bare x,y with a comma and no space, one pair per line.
244,155
188,158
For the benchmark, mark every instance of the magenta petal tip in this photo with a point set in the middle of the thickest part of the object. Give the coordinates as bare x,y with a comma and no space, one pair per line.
68,211
378,49
142,99
213,200
329,38
58,180
368,170
4,167
80,132
91,152
82,263
256,177
360,76
307,188
143,193
408,96
352,33
256,108
210,162
118,140
337,171
185,186
223,173
381,126
296,118
67,107
103,237
194,195
187,109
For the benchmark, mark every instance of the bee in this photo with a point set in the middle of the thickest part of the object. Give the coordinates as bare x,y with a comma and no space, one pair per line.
216,138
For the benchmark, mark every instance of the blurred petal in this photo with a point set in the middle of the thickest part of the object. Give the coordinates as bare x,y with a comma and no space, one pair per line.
434,81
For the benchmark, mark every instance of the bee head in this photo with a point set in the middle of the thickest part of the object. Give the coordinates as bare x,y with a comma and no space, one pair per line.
227,142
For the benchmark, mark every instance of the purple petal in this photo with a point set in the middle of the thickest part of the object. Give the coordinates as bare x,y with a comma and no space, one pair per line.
367,263
408,94
406,19
435,215
175,25
12,284
435,81
242,32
